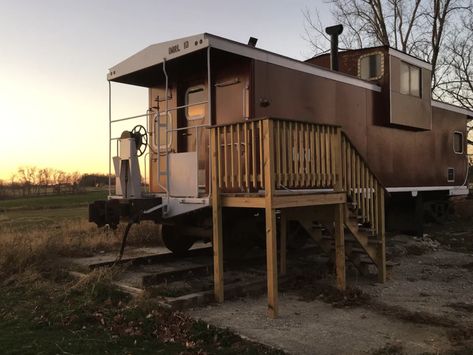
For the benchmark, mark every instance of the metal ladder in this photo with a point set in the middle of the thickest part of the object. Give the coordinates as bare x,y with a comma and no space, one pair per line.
158,127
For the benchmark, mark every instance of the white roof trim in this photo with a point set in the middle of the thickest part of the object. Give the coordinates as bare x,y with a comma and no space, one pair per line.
157,53
453,190
453,108
409,59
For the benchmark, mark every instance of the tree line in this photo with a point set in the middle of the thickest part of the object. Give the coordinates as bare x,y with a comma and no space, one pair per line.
34,181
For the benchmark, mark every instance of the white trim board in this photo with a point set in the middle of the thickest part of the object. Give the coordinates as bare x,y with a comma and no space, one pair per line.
453,190
453,108
409,59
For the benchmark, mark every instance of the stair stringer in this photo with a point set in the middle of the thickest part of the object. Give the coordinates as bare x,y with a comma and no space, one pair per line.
372,247
325,215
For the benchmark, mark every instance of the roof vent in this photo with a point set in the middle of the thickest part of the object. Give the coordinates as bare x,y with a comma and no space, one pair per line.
334,32
252,41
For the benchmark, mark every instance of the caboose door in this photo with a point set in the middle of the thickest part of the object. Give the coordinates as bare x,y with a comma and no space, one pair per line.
187,165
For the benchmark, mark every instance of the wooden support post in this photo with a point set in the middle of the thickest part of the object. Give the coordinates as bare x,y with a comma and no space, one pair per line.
340,246
216,220
282,246
381,236
337,149
270,215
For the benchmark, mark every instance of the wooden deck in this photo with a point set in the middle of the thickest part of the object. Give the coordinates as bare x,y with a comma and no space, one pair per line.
280,165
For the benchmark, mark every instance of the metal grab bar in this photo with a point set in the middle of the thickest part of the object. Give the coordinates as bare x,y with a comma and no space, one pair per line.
188,127
156,140
132,117
184,106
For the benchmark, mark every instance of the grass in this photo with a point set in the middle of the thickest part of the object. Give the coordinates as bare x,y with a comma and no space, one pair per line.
56,201
44,311
94,318
38,212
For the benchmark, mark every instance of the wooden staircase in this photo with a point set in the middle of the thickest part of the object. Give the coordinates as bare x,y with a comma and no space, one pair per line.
308,172
363,216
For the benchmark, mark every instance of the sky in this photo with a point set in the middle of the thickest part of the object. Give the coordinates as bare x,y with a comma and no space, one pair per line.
55,54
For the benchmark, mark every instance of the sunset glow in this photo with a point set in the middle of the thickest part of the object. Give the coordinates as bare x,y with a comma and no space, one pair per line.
55,57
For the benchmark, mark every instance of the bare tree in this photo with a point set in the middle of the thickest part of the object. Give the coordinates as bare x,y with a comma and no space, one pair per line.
59,177
417,27
44,178
457,80
438,31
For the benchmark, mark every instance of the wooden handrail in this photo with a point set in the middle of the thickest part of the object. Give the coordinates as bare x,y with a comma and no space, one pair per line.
363,187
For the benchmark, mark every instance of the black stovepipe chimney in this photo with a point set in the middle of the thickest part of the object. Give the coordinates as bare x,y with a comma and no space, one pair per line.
334,32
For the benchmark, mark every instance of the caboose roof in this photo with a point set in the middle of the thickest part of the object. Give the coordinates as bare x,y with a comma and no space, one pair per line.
131,69
156,54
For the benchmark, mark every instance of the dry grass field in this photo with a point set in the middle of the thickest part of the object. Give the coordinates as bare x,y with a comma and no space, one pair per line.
43,310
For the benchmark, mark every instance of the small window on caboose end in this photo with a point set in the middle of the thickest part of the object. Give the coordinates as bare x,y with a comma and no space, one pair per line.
450,175
458,142
195,102
371,66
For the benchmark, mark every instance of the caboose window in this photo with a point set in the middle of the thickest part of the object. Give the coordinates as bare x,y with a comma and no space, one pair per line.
195,102
370,66
458,142
410,80
450,175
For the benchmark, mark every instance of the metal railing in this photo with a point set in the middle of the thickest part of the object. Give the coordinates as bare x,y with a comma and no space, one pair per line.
111,122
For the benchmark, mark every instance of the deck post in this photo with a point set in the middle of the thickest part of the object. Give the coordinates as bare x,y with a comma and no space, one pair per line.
270,216
340,246
382,237
282,246
338,185
216,221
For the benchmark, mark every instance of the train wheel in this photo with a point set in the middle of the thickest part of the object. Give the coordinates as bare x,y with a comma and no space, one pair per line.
176,241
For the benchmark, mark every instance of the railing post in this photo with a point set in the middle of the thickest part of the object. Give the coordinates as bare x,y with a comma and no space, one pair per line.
270,216
381,236
340,246
283,244
216,219
338,185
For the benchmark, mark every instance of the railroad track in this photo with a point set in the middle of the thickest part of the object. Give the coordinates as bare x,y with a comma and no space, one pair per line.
185,281
153,259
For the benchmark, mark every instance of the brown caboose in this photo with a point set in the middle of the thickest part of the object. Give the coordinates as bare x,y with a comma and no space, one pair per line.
233,131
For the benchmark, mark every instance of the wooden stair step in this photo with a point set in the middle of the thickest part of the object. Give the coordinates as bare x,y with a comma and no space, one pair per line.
355,250
351,239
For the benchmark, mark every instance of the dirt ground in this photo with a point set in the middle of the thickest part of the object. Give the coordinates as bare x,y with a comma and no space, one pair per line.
426,306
